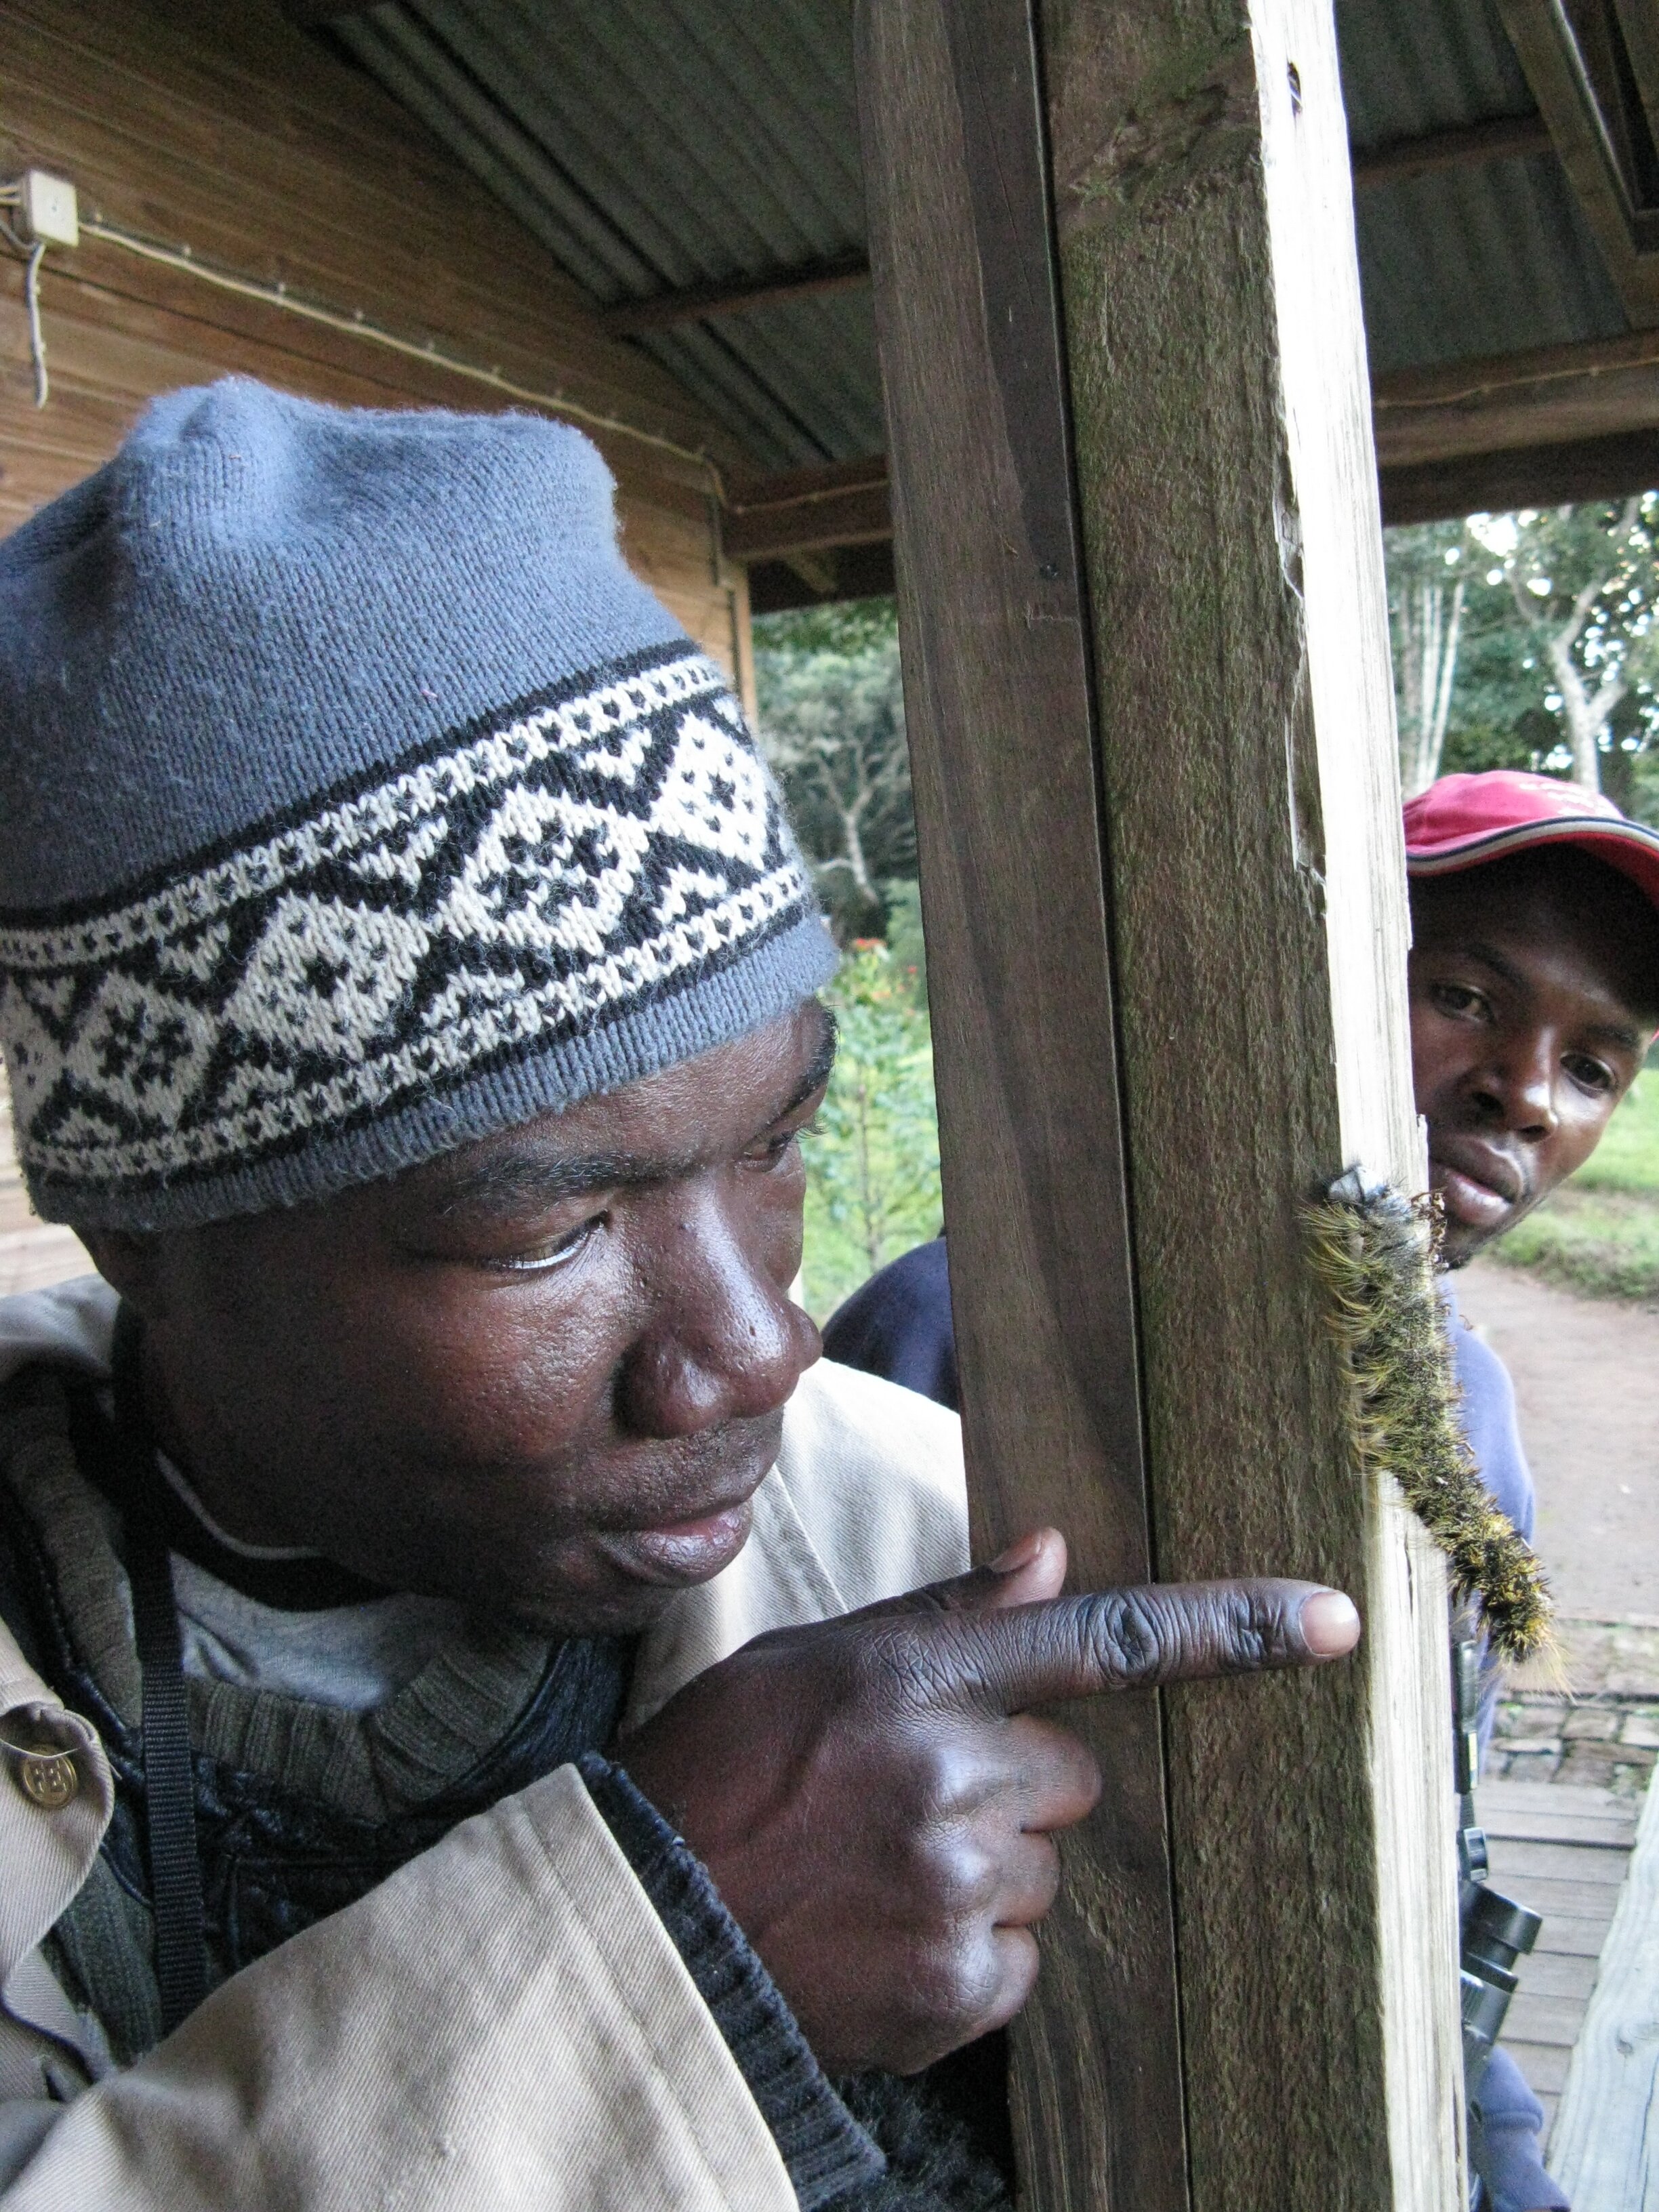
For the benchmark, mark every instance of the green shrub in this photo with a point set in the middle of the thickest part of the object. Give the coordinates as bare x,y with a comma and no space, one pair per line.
872,1187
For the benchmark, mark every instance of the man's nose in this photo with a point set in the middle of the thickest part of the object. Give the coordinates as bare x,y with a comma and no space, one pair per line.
1522,1087
724,1342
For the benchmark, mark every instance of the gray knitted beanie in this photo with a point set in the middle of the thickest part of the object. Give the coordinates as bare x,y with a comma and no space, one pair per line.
355,801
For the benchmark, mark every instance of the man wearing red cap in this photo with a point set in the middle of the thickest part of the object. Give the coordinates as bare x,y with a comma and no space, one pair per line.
1534,981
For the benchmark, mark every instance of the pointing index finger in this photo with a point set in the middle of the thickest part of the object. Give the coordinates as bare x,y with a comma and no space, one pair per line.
1119,1639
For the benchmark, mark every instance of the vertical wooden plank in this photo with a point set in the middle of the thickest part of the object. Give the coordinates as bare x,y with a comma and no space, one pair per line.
1229,503
1605,2143
1234,621
998,704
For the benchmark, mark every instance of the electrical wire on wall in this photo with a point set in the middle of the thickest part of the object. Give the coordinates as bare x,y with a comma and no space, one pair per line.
34,253
354,324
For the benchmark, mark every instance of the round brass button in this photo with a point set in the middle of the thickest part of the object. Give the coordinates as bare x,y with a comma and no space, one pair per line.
47,1778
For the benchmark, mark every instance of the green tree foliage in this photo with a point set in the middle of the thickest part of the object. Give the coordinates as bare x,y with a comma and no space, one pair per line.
1583,581
832,721
1552,653
873,1184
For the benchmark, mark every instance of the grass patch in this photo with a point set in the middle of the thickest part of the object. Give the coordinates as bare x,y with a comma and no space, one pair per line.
1603,1243
1628,1157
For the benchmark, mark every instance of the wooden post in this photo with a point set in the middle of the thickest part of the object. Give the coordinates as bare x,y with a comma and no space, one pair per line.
1159,810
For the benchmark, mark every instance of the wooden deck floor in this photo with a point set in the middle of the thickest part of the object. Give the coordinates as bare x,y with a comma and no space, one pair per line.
1563,1851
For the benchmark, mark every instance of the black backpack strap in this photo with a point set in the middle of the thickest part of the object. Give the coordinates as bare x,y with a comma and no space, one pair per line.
175,1866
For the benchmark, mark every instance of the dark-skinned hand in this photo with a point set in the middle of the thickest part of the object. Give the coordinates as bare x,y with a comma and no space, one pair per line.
876,1804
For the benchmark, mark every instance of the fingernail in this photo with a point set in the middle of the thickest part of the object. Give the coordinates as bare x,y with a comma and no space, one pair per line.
1019,1554
1329,1623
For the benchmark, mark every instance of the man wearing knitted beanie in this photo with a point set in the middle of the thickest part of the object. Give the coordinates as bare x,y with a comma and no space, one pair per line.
406,983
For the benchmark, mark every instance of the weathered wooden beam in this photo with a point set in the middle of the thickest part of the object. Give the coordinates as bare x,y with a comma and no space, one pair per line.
1503,430
1578,67
1498,403
1226,476
1531,476
997,690
1603,2146
1470,145
1236,916
809,510
695,303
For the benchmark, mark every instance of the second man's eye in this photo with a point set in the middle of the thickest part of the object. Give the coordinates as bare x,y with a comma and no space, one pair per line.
1592,1074
1457,998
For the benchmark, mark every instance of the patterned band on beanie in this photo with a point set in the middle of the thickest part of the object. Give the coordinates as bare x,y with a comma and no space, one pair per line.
460,939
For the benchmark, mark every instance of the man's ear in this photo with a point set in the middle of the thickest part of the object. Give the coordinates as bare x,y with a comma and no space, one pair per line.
130,1262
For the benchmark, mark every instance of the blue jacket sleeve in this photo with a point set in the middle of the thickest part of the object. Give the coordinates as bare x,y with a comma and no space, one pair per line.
1512,2120
899,1326
1488,1415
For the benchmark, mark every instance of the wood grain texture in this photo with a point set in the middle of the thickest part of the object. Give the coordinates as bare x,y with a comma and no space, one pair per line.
1464,145
998,708
1527,476
1227,498
229,130
1494,403
1604,2148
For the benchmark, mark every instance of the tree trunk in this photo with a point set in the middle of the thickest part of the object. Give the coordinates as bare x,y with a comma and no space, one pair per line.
1428,655
1588,713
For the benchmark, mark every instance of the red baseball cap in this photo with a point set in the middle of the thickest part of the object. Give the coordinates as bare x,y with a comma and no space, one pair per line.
1464,820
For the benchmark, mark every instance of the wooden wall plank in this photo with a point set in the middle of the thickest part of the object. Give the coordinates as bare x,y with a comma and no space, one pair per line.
167,139
1235,623
1012,877
231,132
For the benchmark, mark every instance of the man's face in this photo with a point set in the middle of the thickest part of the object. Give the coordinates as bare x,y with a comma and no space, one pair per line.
1530,1015
543,1375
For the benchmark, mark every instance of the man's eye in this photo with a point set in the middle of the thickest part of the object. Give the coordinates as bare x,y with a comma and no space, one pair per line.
773,1152
553,1252
1590,1072
1458,999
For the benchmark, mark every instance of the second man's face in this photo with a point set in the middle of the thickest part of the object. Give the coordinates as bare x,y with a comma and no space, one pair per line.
1526,1033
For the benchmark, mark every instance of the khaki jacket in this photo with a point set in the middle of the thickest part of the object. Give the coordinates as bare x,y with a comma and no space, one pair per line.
503,2024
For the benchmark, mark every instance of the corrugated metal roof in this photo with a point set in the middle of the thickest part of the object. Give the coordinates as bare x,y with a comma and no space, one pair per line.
655,144
658,144
1491,259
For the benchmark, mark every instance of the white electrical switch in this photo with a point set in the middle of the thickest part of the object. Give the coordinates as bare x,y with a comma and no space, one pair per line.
49,210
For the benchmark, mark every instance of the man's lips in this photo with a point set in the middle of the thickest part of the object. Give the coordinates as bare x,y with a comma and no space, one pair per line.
681,1552
1480,1188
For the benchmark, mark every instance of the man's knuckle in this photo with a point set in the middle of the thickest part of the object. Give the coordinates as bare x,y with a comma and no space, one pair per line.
1126,1636
960,1877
